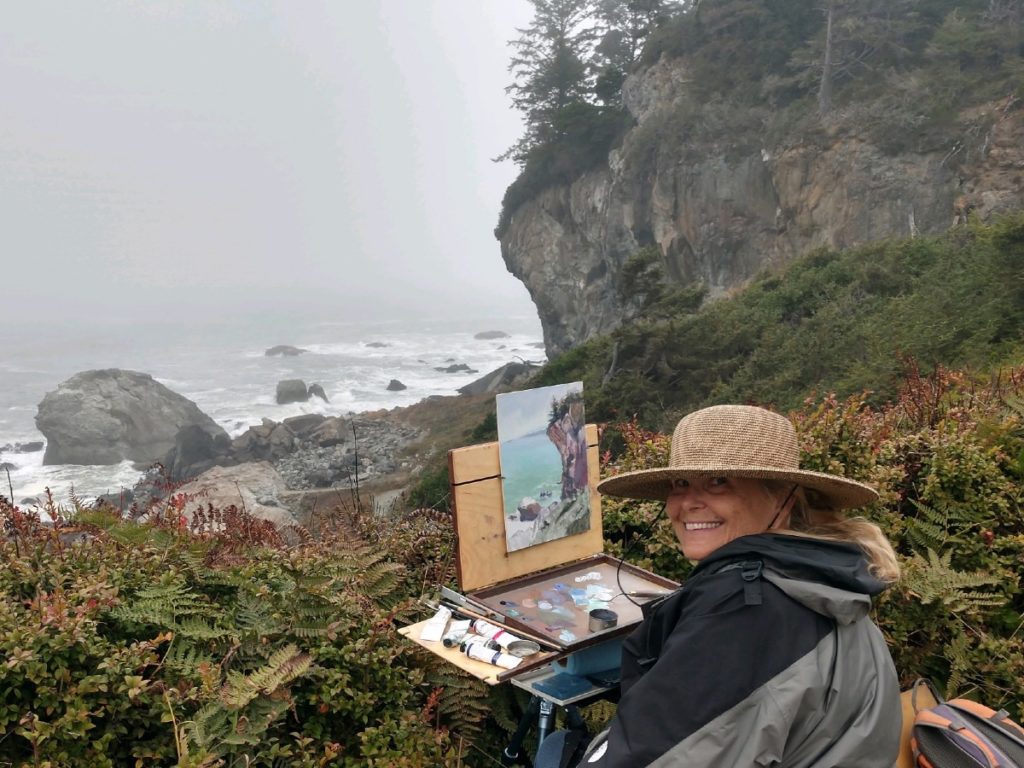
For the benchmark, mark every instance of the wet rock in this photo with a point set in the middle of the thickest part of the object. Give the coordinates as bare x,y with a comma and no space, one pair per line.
194,452
456,368
107,416
32,447
315,390
284,350
377,344
491,335
396,386
292,391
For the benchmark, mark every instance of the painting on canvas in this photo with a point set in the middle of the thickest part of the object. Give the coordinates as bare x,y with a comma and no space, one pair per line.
543,452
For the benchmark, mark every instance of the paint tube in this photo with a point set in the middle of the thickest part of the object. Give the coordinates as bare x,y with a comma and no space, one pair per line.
433,628
495,633
456,632
481,652
471,639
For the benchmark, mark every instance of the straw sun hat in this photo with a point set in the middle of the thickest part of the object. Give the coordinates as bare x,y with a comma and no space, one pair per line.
736,441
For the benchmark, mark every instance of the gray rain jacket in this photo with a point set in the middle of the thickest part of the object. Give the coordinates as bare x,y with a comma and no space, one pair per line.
765,657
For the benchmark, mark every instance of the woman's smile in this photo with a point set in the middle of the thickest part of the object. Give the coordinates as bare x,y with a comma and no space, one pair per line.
708,512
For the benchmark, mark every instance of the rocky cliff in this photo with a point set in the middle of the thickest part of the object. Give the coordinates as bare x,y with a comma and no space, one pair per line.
720,208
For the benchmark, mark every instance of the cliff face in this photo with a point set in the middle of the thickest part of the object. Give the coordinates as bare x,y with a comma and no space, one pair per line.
720,210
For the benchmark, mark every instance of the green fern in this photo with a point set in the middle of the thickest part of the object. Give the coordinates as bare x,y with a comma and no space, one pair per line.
957,653
939,524
933,579
248,704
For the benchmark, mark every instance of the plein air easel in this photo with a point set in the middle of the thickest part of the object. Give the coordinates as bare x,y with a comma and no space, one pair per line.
578,662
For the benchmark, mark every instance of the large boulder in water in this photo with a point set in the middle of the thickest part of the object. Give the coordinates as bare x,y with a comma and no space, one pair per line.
107,416
292,391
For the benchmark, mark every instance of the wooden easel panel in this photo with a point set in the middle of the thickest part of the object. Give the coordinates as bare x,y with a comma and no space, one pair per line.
475,474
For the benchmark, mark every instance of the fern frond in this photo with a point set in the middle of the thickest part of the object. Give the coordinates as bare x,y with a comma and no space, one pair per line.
185,659
933,579
196,628
283,666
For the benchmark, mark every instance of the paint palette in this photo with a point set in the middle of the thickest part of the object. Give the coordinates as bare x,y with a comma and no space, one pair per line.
556,604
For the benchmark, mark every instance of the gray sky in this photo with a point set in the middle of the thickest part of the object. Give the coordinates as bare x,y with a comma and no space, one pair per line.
164,157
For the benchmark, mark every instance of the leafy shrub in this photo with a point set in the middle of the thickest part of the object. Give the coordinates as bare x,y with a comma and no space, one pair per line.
841,321
199,645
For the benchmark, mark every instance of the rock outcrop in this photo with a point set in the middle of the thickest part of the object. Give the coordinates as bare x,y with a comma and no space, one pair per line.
309,451
255,488
291,391
107,416
284,350
315,390
720,211
507,377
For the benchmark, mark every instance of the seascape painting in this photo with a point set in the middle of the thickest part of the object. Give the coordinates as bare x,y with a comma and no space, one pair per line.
543,452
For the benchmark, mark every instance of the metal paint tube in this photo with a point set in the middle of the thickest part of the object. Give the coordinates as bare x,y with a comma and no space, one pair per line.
481,653
456,631
471,639
494,632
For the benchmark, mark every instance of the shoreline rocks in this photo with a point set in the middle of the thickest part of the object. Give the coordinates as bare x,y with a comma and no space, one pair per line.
107,416
296,391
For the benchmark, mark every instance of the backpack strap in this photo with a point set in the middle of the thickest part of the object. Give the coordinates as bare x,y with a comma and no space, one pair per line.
924,682
750,572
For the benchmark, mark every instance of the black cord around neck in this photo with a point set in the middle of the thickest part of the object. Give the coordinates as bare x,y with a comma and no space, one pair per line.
782,506
646,532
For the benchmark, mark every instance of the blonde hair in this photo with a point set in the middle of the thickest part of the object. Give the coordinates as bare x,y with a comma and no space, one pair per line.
811,516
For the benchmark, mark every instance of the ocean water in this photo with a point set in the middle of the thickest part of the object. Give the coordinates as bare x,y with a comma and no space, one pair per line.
222,368
531,466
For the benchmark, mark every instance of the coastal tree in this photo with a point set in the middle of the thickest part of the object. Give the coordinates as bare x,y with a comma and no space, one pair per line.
549,70
622,28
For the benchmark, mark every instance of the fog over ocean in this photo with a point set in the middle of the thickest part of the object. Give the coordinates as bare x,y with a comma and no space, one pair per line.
223,369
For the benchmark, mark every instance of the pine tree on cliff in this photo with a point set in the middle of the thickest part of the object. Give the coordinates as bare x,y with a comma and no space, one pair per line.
622,28
549,70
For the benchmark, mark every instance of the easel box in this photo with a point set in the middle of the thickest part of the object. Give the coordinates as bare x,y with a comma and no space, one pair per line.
500,579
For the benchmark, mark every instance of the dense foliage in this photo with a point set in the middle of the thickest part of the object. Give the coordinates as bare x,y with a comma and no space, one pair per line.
832,321
222,643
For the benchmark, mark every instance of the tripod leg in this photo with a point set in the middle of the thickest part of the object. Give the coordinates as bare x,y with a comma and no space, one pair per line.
513,752
545,720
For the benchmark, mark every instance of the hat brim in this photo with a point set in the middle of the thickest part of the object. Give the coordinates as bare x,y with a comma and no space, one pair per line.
656,484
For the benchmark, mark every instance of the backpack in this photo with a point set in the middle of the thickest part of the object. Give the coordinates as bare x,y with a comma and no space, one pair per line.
963,734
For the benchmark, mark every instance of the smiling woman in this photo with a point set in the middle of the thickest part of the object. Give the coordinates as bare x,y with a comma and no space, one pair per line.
767,655
707,512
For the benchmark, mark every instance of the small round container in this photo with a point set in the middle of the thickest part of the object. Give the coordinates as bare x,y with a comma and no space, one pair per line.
522,648
602,618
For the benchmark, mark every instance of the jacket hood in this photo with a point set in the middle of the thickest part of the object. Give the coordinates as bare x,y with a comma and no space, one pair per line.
829,577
